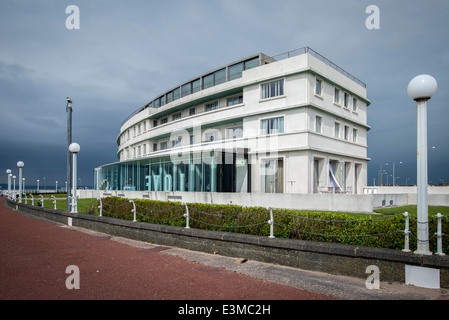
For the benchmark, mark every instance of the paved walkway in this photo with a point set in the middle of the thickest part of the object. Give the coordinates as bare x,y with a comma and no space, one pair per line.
34,256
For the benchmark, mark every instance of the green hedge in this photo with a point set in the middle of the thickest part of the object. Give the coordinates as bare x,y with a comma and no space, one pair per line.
369,230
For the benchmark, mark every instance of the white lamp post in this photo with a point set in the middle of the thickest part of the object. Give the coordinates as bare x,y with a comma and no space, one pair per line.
422,88
8,172
14,184
68,109
20,164
37,185
74,149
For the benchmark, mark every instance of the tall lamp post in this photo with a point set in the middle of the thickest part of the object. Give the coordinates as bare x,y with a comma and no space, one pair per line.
8,172
69,141
20,164
422,88
74,149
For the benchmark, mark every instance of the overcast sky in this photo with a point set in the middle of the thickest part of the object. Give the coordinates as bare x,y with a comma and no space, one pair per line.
125,53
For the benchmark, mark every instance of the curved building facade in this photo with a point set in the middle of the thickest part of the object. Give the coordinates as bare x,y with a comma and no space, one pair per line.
293,123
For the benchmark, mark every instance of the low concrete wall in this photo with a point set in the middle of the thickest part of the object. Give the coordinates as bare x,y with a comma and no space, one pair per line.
325,257
321,201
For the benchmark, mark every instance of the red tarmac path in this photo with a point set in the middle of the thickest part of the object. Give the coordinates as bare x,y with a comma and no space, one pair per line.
34,256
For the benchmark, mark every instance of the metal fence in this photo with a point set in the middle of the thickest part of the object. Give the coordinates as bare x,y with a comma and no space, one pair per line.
137,210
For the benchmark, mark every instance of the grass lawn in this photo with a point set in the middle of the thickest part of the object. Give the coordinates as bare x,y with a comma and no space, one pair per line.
433,210
62,204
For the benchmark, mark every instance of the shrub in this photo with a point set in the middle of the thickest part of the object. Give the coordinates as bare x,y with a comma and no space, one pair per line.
377,231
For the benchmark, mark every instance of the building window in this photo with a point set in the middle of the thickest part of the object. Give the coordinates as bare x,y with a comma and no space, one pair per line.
164,145
274,176
154,147
170,97
337,95
354,135
165,120
233,133
346,100
354,104
176,94
192,139
318,87
191,111
274,125
196,85
212,106
144,148
346,133
186,89
337,130
234,100
235,71
273,89
176,116
177,142
211,136
154,123
318,124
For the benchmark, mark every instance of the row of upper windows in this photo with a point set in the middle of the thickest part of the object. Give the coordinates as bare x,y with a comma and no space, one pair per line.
338,128
267,90
210,106
341,97
213,79
208,135
268,126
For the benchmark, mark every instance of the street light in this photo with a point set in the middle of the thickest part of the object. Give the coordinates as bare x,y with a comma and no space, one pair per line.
14,184
422,88
20,164
74,149
8,172
69,141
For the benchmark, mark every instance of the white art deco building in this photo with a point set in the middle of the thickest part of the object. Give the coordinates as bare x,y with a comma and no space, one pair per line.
293,123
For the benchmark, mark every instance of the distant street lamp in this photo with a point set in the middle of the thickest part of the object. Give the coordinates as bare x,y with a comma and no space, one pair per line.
37,185
422,88
8,172
20,164
14,184
74,149
69,141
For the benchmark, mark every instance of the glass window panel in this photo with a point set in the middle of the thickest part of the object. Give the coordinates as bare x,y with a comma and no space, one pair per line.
252,63
170,97
273,89
220,77
208,81
212,106
318,88
196,85
176,94
186,89
235,71
275,125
